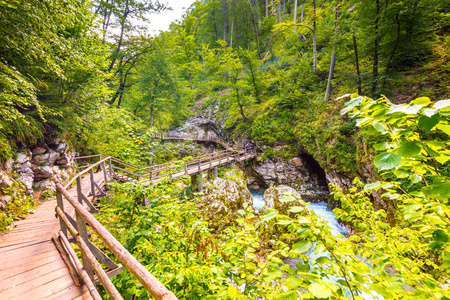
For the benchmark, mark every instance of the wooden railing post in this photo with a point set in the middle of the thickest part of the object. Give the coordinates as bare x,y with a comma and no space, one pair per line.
199,166
60,203
92,183
82,231
185,169
210,163
104,172
111,172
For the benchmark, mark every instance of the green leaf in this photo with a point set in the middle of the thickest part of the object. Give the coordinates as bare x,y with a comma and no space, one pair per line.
379,126
269,215
421,100
302,246
387,161
284,222
408,149
438,189
445,128
289,295
372,186
429,112
351,104
382,146
323,260
362,121
296,209
406,109
427,123
442,104
320,290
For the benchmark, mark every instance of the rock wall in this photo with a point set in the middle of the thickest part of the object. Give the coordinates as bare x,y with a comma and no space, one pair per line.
37,168
301,173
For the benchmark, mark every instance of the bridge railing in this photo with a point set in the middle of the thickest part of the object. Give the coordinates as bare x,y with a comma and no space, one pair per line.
89,270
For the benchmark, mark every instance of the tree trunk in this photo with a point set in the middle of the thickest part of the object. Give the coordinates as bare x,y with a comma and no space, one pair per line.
375,53
303,10
279,11
314,39
122,29
255,27
224,20
333,56
357,65
231,33
295,11
267,8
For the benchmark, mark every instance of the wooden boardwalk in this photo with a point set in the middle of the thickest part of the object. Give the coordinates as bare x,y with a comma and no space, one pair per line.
30,265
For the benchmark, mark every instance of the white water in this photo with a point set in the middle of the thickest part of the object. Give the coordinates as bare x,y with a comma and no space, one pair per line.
320,210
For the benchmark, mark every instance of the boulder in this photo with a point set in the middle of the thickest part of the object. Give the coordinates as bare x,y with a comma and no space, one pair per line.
5,199
5,180
22,157
39,150
42,172
274,194
8,165
26,175
47,159
44,185
222,199
65,160
61,147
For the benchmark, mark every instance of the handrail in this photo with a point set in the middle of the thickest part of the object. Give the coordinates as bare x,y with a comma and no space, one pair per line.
151,283
89,156
85,171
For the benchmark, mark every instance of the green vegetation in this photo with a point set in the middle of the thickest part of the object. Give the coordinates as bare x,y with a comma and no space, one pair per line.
409,260
275,70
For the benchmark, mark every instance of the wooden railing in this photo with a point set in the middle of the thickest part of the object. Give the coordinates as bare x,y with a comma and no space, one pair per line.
89,270
76,213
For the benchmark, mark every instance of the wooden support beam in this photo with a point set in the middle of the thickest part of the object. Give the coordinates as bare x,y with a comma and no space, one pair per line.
80,270
90,259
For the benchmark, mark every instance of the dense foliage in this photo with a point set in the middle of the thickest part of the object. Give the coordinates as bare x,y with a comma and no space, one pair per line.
409,260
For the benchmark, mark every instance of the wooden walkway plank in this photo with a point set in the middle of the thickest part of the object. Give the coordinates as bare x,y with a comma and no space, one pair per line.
30,265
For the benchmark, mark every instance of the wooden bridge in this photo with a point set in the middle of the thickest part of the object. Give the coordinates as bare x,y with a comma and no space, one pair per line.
37,260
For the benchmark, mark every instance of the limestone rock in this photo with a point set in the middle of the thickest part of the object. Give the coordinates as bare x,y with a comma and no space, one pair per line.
39,150
302,173
5,199
5,180
273,195
65,159
47,159
44,185
61,147
8,165
222,199
42,172
22,158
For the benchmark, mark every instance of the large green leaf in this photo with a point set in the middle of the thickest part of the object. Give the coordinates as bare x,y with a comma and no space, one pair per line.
351,104
320,290
387,161
442,104
302,246
427,123
408,149
445,128
269,215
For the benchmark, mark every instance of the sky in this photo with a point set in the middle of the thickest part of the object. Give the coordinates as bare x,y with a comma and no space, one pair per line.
162,20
